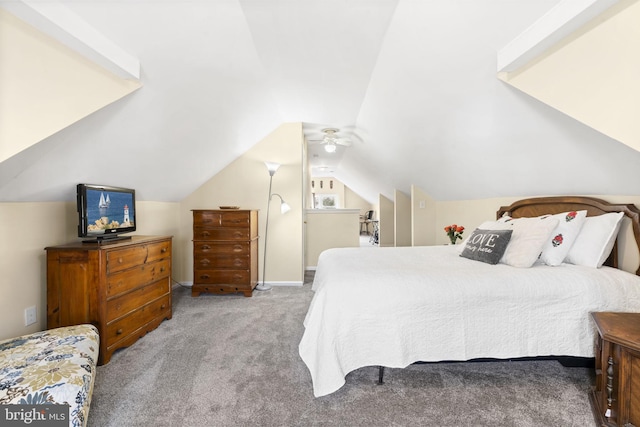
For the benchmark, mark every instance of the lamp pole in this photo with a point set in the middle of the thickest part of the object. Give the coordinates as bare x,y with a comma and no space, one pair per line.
263,286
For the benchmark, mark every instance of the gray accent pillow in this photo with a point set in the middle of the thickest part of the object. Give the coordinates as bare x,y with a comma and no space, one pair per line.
486,245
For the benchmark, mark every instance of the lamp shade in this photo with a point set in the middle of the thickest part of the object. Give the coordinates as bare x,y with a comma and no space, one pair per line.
272,167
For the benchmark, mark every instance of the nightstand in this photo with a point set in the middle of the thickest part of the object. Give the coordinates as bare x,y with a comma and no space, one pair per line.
615,398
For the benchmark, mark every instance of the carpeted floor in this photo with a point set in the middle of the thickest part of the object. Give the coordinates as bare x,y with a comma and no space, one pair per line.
233,361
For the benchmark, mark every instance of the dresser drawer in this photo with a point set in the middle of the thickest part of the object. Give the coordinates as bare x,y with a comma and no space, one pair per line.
221,260
207,219
235,219
121,259
158,251
123,281
204,248
125,326
232,277
200,233
120,306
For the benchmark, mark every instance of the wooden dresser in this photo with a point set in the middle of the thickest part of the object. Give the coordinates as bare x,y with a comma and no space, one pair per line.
615,398
225,251
123,288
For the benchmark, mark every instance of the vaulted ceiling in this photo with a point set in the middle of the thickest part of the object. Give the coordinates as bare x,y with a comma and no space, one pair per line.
413,83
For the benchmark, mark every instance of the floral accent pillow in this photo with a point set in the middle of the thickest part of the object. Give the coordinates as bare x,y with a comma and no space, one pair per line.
563,237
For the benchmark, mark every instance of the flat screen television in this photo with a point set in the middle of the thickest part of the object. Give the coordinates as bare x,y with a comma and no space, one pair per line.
105,213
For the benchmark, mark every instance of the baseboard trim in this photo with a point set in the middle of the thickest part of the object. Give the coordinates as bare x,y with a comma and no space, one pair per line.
283,283
190,284
186,284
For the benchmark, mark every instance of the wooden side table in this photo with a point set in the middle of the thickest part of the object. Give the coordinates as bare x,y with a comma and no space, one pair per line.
615,398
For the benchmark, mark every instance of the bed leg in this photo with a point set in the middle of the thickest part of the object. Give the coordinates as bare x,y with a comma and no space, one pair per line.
380,375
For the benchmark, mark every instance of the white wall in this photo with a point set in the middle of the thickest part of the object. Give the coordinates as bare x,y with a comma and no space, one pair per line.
423,218
354,201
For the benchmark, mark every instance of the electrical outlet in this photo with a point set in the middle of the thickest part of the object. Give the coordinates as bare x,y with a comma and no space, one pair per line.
422,204
30,315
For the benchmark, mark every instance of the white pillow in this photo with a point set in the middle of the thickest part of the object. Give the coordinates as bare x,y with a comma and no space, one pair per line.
527,240
562,238
595,241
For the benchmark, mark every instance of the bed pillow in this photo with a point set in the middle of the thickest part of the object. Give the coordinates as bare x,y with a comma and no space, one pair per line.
486,245
563,236
595,241
487,225
528,238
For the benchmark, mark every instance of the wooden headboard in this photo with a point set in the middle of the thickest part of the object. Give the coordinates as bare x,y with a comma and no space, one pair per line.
553,205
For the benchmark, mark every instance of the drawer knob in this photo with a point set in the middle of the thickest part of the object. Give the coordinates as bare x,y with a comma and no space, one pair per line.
119,332
237,248
205,234
161,269
163,250
204,276
163,306
206,247
119,260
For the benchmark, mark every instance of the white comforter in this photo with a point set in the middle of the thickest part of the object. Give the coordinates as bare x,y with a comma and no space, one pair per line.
396,306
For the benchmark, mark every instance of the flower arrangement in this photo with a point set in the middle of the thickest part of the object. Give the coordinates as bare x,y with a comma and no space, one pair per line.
454,232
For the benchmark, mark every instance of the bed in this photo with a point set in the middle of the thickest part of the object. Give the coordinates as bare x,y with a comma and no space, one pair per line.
52,367
396,306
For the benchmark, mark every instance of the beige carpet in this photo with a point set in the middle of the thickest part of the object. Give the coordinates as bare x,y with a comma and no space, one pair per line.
233,361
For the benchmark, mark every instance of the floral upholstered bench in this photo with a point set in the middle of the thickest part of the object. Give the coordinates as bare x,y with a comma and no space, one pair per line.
56,366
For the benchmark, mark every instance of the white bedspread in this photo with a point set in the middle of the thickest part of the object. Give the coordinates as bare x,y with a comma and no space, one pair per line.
396,306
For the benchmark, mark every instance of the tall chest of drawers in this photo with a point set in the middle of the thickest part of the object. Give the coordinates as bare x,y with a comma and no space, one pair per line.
123,288
225,251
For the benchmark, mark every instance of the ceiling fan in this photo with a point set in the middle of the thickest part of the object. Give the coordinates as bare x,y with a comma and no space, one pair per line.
332,140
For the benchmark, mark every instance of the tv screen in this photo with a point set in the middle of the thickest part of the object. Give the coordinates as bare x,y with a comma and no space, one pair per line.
105,212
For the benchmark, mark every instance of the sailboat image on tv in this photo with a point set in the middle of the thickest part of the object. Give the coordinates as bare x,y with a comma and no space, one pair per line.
104,203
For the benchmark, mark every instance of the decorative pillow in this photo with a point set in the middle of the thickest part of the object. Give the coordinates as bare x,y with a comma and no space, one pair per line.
595,241
528,238
562,238
486,245
487,225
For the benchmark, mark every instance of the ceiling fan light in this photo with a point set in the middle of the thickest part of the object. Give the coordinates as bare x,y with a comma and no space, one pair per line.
330,147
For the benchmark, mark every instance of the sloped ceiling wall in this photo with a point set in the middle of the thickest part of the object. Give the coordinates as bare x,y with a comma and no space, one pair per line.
593,75
415,80
36,103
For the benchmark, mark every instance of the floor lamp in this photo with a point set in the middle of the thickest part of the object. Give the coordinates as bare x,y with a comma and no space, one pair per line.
284,208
